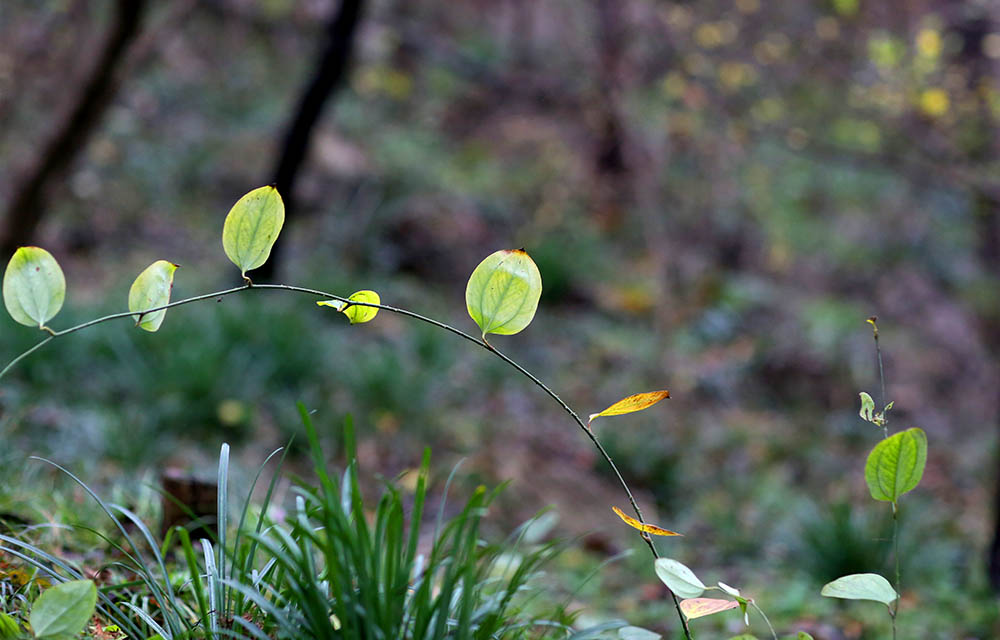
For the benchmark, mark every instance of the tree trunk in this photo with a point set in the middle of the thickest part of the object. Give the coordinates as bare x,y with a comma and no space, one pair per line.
330,71
26,207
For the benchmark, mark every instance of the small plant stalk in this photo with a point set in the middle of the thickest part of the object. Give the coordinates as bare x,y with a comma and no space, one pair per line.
774,634
895,556
400,311
894,609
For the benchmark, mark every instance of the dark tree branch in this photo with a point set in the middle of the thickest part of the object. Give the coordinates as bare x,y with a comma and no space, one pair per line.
26,207
330,71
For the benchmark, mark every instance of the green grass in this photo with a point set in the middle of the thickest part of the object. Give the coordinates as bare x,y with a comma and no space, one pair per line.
335,566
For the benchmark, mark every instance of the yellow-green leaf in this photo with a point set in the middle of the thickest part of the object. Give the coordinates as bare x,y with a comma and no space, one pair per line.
637,402
701,607
642,526
151,290
354,312
503,291
252,226
34,287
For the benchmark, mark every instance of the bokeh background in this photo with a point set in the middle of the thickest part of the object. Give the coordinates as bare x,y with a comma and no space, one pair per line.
717,194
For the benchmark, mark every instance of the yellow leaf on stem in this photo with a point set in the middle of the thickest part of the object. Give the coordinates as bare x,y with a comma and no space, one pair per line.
641,526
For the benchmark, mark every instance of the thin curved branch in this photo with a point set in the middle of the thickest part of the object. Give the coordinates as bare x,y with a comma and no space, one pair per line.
400,311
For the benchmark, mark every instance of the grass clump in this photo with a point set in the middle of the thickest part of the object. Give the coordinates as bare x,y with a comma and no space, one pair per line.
336,566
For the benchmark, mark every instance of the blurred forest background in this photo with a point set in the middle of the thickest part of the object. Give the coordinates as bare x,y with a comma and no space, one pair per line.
717,194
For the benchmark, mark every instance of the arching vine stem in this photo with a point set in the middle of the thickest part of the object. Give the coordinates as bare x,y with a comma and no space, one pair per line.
400,311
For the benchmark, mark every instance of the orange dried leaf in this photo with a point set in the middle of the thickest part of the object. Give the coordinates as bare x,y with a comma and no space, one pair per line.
645,528
701,607
638,402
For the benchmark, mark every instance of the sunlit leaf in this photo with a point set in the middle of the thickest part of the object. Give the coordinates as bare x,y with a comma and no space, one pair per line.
701,607
33,286
633,403
503,292
645,528
252,226
354,312
359,313
150,290
637,633
64,610
861,586
896,464
867,407
744,636
679,578
802,635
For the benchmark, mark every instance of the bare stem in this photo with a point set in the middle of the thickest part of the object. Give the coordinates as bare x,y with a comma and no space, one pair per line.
895,555
881,376
25,355
397,310
774,634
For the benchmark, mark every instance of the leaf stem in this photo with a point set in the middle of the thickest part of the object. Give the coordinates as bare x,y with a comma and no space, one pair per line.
895,555
881,376
26,354
774,634
404,312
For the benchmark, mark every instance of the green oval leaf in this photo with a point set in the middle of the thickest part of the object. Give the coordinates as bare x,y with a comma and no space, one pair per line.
252,226
503,291
33,286
861,586
679,578
64,610
356,313
896,464
151,290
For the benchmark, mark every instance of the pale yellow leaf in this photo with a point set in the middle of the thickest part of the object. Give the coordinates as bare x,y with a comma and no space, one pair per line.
701,607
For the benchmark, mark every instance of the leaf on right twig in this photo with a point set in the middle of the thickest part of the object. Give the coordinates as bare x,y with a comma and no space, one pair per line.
679,578
651,529
633,403
861,586
701,607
